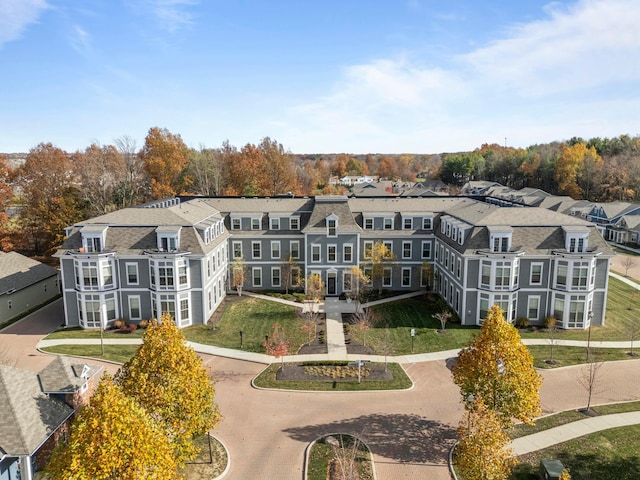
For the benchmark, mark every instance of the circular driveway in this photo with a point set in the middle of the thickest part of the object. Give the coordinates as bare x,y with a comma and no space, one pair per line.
409,432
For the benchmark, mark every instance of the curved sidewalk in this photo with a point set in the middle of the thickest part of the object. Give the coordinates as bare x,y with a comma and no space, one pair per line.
569,431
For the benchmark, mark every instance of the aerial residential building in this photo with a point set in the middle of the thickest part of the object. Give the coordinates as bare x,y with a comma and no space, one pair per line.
174,256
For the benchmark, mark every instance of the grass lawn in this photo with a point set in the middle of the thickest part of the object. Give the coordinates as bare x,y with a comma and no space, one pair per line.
208,464
267,379
113,353
321,453
565,356
403,315
255,318
607,455
622,309
77,332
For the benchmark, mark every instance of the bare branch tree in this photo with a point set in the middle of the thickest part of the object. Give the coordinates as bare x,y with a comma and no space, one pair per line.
443,318
363,320
589,380
628,262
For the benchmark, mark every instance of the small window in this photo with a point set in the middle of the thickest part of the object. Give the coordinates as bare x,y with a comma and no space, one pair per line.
406,249
256,276
275,223
315,253
255,223
368,223
256,250
386,277
368,249
294,223
347,253
406,277
536,274
388,223
275,277
275,249
331,253
332,227
426,249
237,249
235,224
132,273
407,223
295,249
427,223
134,308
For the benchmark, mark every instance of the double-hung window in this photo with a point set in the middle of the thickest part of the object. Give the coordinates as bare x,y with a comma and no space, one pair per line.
315,253
256,250
347,253
331,253
406,249
275,249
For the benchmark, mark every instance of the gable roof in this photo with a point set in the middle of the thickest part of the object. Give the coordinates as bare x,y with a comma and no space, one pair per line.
18,272
64,375
327,205
29,416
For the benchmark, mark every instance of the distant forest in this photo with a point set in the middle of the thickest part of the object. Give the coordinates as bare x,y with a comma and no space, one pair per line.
48,189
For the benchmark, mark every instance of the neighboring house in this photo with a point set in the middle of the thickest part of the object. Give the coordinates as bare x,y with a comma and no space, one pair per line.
24,284
140,262
380,189
37,412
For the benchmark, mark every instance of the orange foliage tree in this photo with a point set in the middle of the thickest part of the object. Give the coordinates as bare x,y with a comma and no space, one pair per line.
277,343
165,156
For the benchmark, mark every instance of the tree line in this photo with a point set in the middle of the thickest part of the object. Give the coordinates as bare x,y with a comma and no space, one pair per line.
598,170
53,188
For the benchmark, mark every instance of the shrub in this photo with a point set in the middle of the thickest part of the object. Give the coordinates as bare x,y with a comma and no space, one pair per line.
522,322
549,321
143,323
119,323
133,327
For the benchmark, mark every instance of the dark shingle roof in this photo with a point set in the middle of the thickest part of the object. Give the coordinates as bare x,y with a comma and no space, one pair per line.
18,271
29,416
327,205
64,375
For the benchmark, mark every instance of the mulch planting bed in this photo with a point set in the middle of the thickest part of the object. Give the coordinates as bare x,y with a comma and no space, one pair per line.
333,373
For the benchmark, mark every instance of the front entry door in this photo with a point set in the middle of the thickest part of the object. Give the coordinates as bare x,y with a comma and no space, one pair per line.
331,284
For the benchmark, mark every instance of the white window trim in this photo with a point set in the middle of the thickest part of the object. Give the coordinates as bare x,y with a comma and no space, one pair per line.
404,223
531,297
253,251
233,248
273,221
295,242
335,253
255,220
236,223
344,252
425,242
276,243
384,223
294,223
404,244
131,317
253,276
384,277
406,269
541,264
314,247
126,267
273,270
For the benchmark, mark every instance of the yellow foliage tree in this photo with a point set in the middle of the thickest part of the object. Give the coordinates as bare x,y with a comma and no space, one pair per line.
499,368
482,452
111,438
380,257
570,164
170,380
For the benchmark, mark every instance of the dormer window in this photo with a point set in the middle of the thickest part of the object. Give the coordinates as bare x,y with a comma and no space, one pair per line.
294,223
274,223
93,238
168,238
407,223
387,223
368,223
427,223
255,223
500,239
576,239
236,224
332,226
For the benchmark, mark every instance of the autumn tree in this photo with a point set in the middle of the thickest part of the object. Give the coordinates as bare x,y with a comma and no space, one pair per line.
380,257
165,156
6,197
499,368
359,285
113,437
482,452
243,169
277,343
443,317
571,162
238,271
314,286
49,198
278,172
169,379
100,169
362,321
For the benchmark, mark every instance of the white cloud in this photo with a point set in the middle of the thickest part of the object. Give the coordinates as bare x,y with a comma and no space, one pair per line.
545,80
172,15
80,40
16,15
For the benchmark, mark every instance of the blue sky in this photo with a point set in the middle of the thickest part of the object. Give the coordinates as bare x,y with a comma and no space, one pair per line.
358,76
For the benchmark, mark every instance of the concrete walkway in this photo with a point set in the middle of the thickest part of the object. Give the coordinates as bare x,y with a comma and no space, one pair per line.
569,431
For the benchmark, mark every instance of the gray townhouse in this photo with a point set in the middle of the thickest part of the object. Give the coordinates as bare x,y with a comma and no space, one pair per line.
174,256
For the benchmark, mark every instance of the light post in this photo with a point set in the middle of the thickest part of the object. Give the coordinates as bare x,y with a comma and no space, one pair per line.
589,317
413,335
